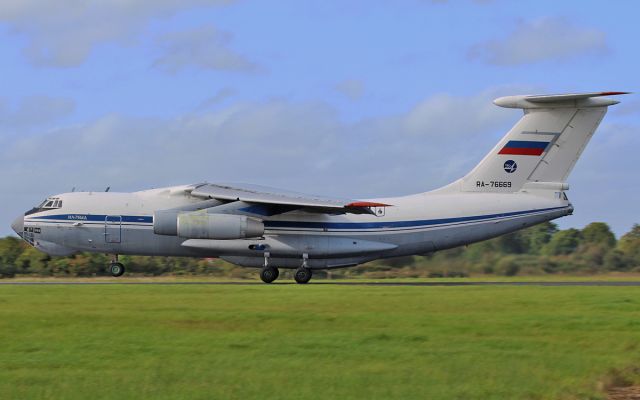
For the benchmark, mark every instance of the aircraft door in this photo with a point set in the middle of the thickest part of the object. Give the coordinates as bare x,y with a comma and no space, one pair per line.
113,228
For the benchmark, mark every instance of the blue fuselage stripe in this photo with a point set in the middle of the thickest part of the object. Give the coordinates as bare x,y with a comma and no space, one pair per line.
397,224
98,218
305,224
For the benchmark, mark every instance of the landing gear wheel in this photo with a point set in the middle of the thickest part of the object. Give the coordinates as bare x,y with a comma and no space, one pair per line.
116,269
269,274
302,275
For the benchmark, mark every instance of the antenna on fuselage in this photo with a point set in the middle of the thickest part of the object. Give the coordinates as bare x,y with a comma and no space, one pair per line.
107,189
73,189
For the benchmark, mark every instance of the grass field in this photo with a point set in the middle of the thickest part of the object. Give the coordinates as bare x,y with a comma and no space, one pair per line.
314,341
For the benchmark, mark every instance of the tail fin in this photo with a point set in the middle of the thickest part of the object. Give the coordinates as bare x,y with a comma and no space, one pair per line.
542,148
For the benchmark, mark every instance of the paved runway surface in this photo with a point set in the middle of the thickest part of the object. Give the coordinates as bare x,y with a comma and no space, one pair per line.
530,283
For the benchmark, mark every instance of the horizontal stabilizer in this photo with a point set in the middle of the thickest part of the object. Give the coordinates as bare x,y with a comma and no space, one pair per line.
592,99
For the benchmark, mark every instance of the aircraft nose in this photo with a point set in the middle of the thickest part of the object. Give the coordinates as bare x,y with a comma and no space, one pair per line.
18,225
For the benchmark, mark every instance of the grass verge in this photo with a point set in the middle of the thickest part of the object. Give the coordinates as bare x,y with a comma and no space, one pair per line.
315,341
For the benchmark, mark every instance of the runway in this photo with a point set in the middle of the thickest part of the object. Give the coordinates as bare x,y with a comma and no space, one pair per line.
319,283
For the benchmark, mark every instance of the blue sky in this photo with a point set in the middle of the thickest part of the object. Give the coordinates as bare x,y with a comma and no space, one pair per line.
352,99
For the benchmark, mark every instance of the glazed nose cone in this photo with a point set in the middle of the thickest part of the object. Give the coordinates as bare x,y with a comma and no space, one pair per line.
18,225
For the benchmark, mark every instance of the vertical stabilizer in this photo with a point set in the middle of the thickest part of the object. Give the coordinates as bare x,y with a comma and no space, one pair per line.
543,146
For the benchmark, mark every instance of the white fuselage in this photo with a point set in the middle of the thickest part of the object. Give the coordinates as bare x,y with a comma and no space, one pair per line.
122,223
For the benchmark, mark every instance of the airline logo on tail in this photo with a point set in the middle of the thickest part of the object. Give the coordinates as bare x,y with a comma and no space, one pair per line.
510,166
524,148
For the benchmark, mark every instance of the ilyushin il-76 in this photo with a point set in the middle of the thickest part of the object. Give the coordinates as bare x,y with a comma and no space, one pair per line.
520,183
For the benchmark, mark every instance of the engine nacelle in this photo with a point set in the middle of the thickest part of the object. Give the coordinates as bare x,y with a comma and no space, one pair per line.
218,226
165,222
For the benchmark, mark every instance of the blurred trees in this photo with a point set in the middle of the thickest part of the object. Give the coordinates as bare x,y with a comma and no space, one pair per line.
563,242
598,233
629,245
541,249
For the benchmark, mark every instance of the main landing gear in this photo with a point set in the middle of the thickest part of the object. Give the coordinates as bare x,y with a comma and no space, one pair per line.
269,274
303,274
116,268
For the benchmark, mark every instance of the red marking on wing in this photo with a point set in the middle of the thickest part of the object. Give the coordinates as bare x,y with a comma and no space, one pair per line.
521,151
612,93
367,204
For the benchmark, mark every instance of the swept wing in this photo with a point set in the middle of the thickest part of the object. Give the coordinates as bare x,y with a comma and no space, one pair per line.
278,199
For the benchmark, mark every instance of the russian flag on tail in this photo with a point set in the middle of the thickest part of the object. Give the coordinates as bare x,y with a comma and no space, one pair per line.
524,148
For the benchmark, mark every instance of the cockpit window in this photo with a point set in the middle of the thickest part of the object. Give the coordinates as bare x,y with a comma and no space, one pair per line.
52,203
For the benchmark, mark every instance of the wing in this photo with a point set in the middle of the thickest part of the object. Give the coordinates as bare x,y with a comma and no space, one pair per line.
270,201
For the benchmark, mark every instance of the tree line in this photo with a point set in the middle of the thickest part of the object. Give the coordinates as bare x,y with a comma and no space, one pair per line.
542,249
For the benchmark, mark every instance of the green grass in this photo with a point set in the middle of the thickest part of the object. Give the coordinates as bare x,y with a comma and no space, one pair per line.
314,341
286,276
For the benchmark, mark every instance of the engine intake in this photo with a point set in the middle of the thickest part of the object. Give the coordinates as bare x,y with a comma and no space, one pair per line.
218,226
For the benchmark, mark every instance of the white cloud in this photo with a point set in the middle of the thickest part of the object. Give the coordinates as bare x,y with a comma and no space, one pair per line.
305,146
544,39
204,47
63,33
353,89
34,111
444,114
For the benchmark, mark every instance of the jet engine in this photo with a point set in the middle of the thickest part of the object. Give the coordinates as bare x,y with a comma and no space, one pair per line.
165,222
200,225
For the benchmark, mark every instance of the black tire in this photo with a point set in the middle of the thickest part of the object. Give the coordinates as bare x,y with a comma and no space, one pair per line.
269,274
116,269
302,275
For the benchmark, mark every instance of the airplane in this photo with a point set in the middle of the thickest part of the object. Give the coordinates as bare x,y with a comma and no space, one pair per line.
520,183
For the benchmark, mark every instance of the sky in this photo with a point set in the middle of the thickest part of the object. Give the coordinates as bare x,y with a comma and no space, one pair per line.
354,99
